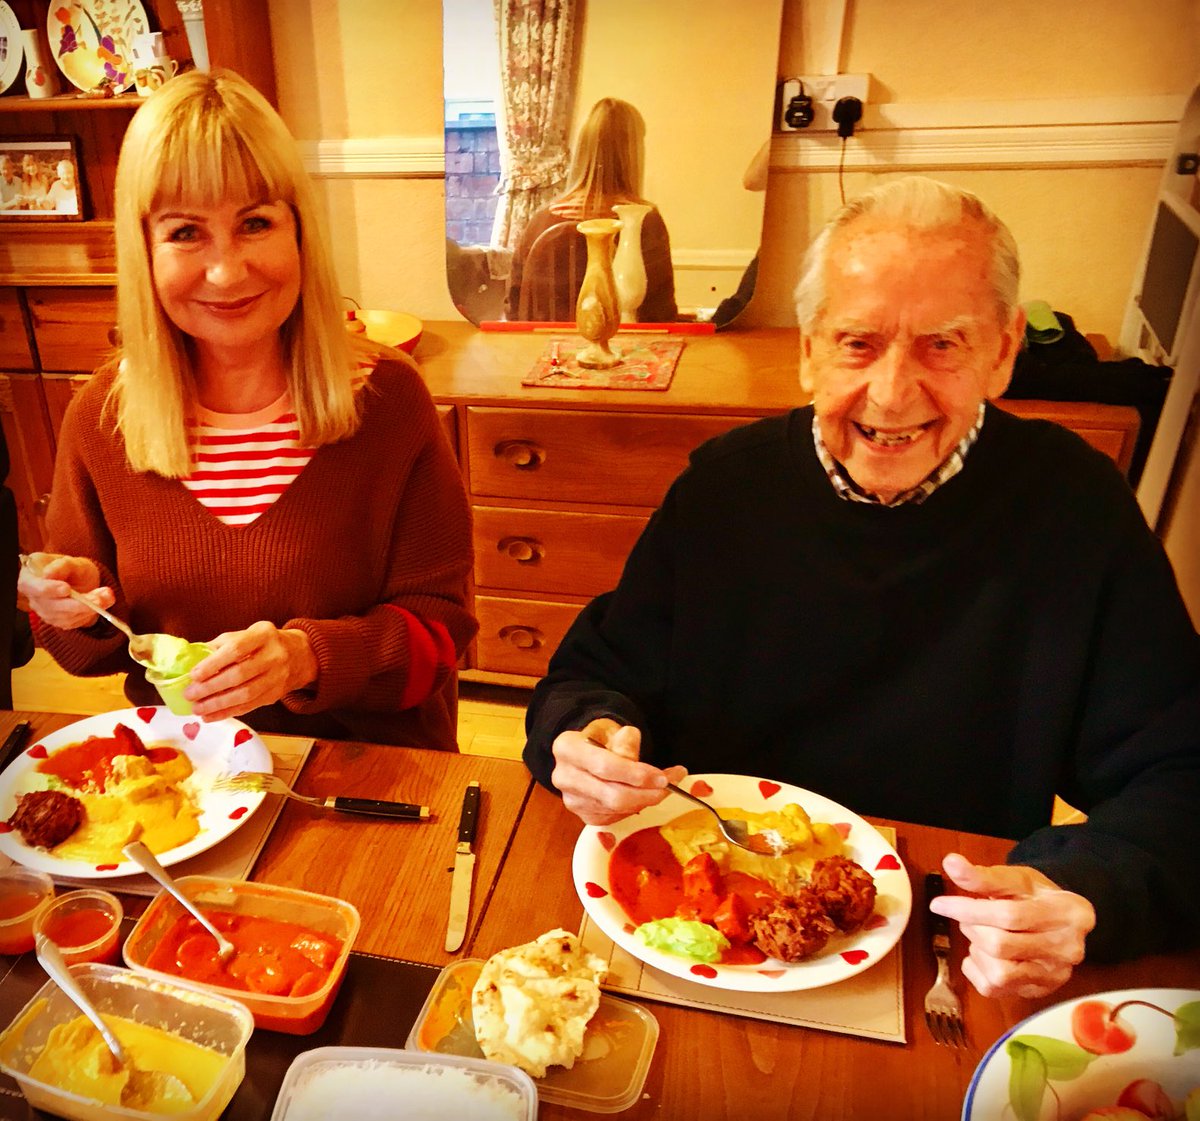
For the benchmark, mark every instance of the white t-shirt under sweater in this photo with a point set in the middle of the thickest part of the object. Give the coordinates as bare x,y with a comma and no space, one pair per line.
244,461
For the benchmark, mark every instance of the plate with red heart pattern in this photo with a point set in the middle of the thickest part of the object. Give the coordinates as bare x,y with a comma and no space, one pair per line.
843,957
212,749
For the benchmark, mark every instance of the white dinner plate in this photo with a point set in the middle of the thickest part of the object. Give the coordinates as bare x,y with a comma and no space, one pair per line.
93,39
843,956
12,51
227,745
1076,1079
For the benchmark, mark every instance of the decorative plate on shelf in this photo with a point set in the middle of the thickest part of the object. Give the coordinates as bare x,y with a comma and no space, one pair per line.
12,55
843,957
1110,1052
225,745
91,40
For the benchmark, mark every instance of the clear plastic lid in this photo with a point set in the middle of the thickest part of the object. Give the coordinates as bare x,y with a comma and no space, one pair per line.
368,1083
606,1078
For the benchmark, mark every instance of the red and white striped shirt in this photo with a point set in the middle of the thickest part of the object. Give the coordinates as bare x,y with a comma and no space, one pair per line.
244,461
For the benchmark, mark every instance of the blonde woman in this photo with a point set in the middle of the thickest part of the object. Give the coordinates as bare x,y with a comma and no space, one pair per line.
238,475
606,169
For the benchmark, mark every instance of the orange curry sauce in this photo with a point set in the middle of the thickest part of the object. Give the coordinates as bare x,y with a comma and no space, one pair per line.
274,958
89,765
648,882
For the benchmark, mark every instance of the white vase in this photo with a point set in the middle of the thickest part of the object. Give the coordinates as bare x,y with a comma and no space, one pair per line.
629,270
193,24
41,75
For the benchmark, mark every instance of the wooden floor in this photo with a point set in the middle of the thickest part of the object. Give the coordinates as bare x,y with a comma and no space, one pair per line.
491,718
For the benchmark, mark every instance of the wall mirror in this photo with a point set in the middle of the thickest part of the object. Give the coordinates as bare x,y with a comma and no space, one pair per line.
701,72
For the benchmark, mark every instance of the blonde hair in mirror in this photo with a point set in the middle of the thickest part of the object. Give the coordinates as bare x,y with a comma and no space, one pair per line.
608,161
204,138
917,203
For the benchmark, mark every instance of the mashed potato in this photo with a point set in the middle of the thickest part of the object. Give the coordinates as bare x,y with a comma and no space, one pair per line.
696,832
532,1004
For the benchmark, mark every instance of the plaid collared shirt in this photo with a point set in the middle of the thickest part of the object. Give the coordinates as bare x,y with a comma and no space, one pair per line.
846,488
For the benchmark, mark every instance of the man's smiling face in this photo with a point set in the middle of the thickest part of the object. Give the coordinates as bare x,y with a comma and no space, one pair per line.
906,345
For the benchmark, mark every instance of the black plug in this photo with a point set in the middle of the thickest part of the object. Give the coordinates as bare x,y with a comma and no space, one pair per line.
799,111
847,111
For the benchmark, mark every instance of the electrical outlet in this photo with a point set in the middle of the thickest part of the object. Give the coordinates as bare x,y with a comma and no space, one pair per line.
824,91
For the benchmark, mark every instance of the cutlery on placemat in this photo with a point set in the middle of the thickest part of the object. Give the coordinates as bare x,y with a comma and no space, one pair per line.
14,743
464,869
273,784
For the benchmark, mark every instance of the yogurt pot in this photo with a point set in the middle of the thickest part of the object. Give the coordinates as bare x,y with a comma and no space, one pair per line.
175,678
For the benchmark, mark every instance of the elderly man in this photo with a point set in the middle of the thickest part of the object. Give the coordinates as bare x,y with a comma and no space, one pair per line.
915,604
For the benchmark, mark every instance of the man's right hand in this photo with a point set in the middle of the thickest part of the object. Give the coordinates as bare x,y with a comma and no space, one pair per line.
598,772
48,595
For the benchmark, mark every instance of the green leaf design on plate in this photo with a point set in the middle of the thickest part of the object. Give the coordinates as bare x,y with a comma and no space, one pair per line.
1026,1078
1064,1061
1187,1028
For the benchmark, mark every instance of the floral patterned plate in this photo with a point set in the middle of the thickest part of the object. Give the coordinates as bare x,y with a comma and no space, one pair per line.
842,958
1136,1048
225,745
91,40
12,56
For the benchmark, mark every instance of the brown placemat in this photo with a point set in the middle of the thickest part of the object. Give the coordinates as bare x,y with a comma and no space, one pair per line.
646,363
379,1001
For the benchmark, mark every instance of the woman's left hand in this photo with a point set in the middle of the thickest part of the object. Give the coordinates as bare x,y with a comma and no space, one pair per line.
249,669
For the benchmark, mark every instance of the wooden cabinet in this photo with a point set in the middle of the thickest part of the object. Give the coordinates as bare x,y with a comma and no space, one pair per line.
562,481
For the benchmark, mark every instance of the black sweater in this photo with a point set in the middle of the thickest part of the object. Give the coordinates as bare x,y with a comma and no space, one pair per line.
956,663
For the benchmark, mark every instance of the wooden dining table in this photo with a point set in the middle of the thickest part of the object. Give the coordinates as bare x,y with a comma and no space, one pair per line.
707,1065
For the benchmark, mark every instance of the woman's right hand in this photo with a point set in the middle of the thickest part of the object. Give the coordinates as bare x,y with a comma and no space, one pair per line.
599,774
48,594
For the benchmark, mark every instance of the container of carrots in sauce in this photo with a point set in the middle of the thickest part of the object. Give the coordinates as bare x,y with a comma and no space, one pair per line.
24,894
85,925
291,947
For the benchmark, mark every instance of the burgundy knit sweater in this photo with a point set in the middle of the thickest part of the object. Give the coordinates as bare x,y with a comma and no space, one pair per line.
367,552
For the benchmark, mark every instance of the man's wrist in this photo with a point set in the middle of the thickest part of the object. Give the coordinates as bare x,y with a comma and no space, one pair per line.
302,660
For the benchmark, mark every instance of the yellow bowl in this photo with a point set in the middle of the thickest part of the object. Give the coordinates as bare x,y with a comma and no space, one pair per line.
391,328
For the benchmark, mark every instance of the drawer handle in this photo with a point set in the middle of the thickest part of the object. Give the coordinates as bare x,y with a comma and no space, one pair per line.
524,550
42,504
523,638
524,455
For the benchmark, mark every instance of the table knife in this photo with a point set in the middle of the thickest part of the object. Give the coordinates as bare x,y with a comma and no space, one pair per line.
464,869
14,742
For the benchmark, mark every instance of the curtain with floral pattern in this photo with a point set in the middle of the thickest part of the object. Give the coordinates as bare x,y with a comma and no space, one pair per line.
537,78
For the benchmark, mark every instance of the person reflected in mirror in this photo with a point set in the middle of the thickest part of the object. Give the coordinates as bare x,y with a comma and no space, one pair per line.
607,168
916,604
245,473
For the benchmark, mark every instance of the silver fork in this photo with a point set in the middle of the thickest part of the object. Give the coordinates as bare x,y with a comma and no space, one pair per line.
273,784
943,1009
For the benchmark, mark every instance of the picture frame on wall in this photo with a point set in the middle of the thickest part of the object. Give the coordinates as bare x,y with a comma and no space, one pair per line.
40,179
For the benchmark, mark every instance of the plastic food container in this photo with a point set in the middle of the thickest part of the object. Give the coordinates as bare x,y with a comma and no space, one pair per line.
607,1078
202,1017
85,925
323,914
24,894
379,1084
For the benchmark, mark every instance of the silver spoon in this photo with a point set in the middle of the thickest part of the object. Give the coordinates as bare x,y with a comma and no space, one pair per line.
141,646
146,860
51,960
737,832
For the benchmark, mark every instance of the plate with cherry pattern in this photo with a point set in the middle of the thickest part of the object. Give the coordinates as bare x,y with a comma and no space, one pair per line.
1111,1052
212,749
843,956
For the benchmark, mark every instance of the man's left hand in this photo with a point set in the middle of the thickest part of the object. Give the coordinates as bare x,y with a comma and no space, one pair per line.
1026,934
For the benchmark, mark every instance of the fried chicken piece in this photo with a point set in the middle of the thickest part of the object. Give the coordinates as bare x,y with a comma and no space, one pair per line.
46,818
846,890
795,928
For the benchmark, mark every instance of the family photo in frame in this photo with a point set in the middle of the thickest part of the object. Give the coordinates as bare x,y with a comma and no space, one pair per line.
39,179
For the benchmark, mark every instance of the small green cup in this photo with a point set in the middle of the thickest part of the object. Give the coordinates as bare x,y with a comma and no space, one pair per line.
171,688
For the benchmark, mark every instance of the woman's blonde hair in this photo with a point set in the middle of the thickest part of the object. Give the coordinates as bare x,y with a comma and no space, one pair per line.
206,138
609,158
